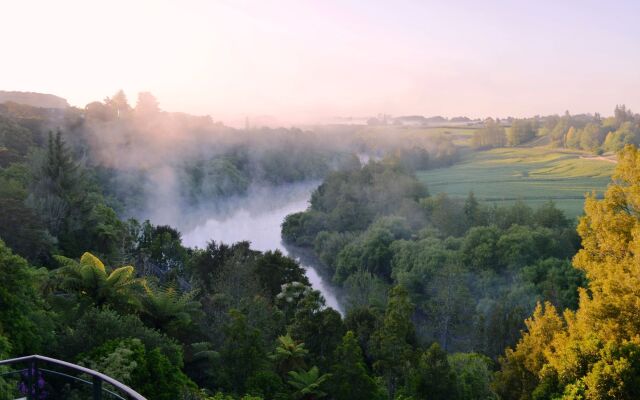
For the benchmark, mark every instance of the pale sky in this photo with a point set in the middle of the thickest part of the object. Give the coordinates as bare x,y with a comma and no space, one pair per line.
303,60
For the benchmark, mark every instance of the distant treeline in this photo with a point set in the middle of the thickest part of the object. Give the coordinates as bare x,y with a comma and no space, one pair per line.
584,132
140,154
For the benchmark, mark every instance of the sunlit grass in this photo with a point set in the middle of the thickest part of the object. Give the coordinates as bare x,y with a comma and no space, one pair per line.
534,175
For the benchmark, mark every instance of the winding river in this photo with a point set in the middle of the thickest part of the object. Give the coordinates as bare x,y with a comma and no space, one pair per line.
257,219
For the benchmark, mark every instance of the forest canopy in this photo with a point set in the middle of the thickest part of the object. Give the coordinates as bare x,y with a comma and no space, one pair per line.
443,297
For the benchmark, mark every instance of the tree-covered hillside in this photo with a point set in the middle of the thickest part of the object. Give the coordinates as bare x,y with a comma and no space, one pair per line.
444,298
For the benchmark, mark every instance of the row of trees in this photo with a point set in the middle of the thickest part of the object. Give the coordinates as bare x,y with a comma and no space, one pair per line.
584,132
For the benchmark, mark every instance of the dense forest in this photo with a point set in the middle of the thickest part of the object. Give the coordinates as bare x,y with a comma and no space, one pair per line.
444,298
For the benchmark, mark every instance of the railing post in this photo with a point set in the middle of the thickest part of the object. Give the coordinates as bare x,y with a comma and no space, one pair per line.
97,388
36,380
30,380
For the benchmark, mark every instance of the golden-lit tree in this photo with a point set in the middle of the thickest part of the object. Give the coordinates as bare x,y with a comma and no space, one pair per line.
595,352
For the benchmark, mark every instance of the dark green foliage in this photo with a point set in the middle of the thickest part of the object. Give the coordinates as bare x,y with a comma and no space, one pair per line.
363,323
392,344
274,269
473,376
414,269
320,328
23,320
350,201
556,280
462,263
146,369
163,244
241,355
96,327
433,377
15,142
20,227
349,377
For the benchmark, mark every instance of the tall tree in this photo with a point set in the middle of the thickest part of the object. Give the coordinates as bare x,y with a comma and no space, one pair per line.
433,378
393,343
596,356
349,377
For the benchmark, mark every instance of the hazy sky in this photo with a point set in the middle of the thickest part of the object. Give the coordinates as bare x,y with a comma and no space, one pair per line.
299,60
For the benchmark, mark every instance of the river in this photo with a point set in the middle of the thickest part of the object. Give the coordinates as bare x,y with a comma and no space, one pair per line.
257,218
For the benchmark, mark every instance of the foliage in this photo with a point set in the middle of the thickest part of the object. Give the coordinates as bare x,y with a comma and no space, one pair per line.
491,135
23,319
91,282
308,383
592,352
473,374
169,310
148,370
422,277
289,355
392,344
433,377
349,376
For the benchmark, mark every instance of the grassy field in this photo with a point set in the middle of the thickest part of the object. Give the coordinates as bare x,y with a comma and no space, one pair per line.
534,175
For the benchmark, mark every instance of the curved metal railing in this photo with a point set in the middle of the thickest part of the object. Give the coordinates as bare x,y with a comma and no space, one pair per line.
35,368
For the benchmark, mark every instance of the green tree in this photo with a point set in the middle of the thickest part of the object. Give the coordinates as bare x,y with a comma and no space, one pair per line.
90,280
591,137
521,131
349,377
308,384
242,354
57,187
433,377
393,343
20,226
289,355
473,376
320,328
23,320
521,367
491,135
168,309
146,370
274,269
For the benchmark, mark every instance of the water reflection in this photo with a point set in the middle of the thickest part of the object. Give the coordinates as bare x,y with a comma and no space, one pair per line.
260,225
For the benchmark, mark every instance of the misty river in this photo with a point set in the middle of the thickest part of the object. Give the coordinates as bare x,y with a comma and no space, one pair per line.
257,219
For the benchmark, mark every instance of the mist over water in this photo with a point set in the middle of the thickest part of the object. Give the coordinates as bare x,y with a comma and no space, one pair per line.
257,218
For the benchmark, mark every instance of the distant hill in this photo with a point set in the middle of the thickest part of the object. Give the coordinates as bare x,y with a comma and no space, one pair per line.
33,99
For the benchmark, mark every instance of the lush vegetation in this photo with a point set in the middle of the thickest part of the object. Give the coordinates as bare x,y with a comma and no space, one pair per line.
473,272
82,283
445,297
590,353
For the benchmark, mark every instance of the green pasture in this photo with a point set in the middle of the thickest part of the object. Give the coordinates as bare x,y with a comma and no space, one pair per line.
534,175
